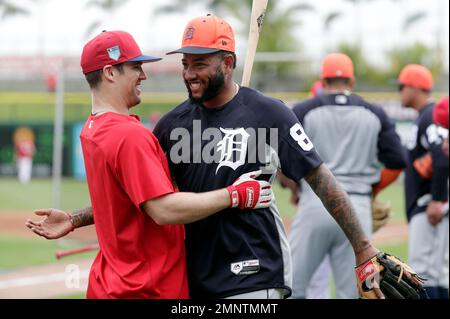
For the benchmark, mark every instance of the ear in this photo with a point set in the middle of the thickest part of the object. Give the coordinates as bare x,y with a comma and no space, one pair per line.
228,62
351,84
108,73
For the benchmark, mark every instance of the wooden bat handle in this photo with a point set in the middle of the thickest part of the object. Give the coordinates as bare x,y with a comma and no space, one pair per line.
258,12
64,253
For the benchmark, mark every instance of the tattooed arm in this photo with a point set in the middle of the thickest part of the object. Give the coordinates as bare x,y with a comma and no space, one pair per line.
82,217
58,223
338,204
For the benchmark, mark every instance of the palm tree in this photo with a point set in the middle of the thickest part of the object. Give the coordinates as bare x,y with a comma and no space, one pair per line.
330,19
413,19
279,24
106,6
9,9
416,53
277,32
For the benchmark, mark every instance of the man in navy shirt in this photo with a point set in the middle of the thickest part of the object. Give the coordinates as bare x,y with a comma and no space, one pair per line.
220,132
426,193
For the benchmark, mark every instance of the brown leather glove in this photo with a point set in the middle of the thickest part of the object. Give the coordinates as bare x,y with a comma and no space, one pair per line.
381,212
395,279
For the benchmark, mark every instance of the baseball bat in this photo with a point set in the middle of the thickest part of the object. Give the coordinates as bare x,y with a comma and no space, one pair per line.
256,21
64,253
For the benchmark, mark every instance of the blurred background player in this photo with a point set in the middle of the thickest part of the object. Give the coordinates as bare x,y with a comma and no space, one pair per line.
425,194
316,89
51,82
440,118
320,281
318,287
24,148
352,136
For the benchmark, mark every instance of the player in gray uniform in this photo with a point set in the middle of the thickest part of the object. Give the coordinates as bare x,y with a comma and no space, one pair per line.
352,137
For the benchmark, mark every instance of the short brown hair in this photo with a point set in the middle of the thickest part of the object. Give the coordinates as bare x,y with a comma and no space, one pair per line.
94,78
334,81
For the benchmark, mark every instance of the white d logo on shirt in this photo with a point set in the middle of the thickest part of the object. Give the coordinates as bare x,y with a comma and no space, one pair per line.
234,142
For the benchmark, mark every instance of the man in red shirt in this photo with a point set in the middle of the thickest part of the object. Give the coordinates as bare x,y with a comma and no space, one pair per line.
142,255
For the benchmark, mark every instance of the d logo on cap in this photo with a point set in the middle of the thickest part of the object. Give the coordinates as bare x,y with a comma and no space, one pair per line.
212,34
189,33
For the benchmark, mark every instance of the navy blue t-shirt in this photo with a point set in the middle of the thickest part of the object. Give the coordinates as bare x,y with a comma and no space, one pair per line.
235,251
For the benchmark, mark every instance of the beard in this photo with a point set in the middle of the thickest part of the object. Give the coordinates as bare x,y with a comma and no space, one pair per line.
216,83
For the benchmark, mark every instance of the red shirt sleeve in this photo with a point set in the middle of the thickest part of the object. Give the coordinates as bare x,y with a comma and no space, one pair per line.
141,166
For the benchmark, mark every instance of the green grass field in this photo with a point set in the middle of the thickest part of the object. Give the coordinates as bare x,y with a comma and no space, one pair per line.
38,194
395,195
19,252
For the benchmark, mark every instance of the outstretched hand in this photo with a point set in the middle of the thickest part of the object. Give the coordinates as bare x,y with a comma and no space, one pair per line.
56,223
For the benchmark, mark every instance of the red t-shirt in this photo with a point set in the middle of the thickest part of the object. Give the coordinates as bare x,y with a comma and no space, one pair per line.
125,166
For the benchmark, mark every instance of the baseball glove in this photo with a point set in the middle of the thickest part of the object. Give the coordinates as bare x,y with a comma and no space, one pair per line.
395,279
381,212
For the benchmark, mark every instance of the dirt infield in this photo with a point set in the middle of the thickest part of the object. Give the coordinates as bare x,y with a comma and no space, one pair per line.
48,281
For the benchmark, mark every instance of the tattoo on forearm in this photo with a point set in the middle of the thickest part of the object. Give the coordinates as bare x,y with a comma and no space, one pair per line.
338,204
82,217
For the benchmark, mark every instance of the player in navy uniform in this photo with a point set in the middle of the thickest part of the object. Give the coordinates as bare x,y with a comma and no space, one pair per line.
352,137
426,194
237,255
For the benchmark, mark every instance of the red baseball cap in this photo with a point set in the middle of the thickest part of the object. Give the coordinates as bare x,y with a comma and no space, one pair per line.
417,76
337,65
316,88
440,113
207,34
110,48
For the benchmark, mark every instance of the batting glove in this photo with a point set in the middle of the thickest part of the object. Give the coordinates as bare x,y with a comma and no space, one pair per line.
248,193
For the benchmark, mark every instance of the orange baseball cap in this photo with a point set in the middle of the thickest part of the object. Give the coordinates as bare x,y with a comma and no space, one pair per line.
207,34
417,76
440,113
337,65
